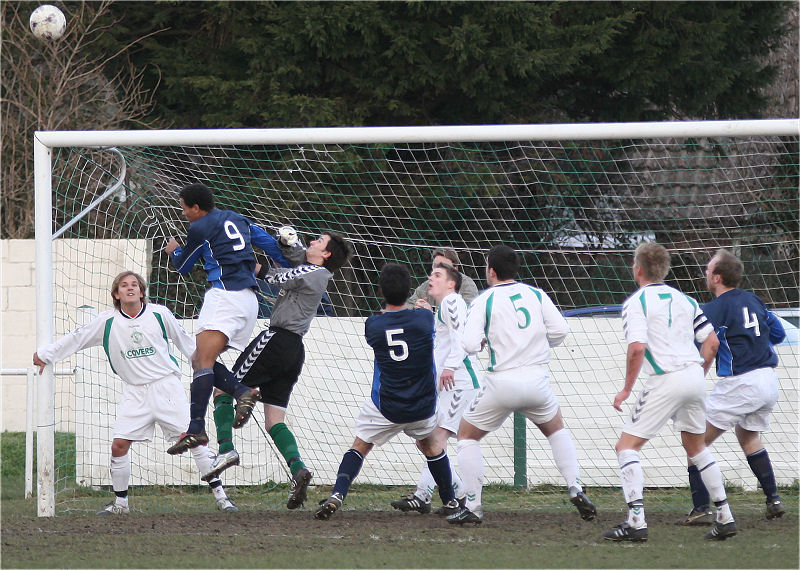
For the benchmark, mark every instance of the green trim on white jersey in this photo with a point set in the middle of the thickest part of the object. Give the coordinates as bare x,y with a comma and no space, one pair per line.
656,368
106,335
492,359
537,292
471,372
166,338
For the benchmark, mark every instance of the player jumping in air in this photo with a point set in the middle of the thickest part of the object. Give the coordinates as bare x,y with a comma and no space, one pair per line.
135,337
457,381
747,390
403,395
274,358
518,324
221,239
661,327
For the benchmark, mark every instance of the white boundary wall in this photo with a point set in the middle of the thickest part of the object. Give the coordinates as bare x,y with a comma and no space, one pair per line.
587,371
18,302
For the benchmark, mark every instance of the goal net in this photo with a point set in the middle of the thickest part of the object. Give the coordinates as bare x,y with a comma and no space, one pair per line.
575,200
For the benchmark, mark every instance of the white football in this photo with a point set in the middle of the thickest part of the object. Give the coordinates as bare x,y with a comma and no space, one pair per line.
48,22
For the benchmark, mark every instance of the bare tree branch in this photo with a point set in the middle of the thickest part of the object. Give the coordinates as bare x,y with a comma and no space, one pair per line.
58,86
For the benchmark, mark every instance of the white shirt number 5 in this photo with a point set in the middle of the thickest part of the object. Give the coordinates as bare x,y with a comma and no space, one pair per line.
395,344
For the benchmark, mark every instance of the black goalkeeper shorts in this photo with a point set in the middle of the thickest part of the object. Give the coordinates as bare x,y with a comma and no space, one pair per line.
272,362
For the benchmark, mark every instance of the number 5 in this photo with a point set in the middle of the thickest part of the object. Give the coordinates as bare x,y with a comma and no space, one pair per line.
523,310
403,353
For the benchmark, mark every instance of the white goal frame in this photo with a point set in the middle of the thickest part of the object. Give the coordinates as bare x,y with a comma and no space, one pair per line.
46,141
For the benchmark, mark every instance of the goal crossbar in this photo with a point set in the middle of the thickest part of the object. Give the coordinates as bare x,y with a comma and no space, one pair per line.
46,141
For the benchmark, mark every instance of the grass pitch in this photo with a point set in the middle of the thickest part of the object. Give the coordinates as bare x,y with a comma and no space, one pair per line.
522,529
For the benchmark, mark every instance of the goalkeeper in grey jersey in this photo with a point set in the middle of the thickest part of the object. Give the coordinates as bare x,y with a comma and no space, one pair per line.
274,358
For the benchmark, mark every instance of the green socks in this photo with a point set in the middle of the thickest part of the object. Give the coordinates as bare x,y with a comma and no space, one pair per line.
223,419
287,445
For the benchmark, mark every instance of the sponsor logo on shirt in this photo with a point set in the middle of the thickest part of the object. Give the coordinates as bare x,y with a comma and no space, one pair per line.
139,352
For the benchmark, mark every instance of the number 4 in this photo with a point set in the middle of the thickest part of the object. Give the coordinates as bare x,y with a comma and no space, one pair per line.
751,321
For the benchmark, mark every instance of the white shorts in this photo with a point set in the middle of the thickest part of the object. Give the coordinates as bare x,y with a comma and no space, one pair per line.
451,405
163,402
233,313
525,390
678,396
745,400
372,427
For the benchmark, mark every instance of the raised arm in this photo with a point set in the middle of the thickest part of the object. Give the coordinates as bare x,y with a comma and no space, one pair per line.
261,239
90,334
184,258
286,278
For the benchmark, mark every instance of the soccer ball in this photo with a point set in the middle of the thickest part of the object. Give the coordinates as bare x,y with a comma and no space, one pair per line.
48,22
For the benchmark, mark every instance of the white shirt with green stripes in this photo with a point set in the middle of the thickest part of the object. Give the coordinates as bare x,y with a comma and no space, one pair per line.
448,352
668,322
137,347
519,322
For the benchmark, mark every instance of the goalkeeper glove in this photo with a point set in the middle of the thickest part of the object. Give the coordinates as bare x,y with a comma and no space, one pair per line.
287,235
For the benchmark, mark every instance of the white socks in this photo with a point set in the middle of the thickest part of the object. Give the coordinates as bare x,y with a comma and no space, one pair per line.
632,486
565,457
121,474
219,492
470,463
712,478
203,458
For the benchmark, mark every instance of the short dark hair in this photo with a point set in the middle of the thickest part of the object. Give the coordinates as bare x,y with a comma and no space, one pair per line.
340,251
198,195
452,274
729,268
504,261
395,283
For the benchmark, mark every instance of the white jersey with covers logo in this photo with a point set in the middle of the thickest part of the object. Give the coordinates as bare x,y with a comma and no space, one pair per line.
448,352
519,322
137,347
669,323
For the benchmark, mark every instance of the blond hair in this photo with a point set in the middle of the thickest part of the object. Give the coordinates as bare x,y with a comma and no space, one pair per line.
118,279
653,259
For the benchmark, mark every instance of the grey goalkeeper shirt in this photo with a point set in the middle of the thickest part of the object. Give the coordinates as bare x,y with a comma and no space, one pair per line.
301,291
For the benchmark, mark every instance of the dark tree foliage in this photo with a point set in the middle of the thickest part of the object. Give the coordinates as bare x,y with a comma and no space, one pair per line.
304,64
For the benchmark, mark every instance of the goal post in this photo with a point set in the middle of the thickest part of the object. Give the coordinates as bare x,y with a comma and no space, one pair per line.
574,199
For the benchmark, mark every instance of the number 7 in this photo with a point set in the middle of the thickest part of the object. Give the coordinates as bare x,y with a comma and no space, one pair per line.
665,296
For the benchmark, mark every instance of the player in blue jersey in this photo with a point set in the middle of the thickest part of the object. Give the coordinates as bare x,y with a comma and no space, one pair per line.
747,390
403,397
222,240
